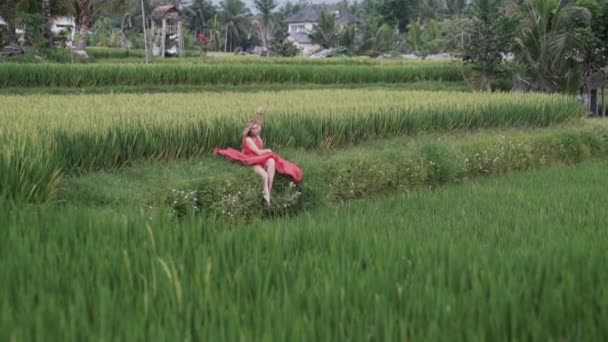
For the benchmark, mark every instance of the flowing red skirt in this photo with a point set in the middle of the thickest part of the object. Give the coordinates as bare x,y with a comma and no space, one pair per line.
282,166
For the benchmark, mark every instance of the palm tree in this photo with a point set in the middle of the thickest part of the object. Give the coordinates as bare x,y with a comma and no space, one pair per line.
377,35
456,7
198,15
83,12
547,44
214,34
234,15
265,23
46,12
326,32
414,37
429,10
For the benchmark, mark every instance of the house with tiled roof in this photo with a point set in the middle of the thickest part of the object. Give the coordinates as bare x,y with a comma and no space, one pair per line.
301,23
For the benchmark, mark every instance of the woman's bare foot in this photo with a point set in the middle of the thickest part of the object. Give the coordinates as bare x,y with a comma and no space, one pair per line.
267,198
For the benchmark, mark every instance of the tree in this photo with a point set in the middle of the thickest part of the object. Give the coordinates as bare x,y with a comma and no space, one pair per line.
456,7
414,37
326,33
34,24
595,46
234,14
549,45
347,37
214,34
595,35
199,16
487,38
396,12
377,35
36,13
429,10
279,43
424,37
265,23
85,13
290,8
10,9
46,12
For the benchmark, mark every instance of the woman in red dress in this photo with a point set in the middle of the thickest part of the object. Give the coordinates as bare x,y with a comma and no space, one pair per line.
263,161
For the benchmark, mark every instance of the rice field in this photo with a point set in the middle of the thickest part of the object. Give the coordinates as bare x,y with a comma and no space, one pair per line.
495,260
457,254
92,132
87,75
362,110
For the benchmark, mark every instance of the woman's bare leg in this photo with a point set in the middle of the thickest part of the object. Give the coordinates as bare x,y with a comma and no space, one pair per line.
260,171
270,169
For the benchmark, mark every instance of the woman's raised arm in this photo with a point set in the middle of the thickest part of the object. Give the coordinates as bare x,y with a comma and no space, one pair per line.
260,111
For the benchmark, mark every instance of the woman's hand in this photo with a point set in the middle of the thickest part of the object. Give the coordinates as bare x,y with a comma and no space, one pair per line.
260,111
267,150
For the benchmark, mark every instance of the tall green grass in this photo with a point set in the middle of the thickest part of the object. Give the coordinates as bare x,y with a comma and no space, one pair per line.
46,136
65,75
517,258
57,134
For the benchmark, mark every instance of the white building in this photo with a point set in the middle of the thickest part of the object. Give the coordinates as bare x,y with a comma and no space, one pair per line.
302,23
61,24
58,25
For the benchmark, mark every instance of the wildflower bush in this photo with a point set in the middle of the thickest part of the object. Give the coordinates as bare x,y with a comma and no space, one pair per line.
236,196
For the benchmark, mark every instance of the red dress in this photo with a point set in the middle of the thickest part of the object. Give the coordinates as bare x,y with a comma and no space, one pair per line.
248,157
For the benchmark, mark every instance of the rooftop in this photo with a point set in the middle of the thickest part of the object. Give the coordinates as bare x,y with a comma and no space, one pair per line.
312,14
166,11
